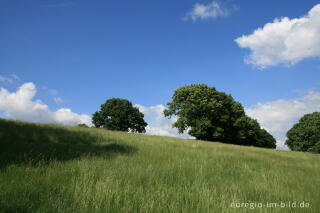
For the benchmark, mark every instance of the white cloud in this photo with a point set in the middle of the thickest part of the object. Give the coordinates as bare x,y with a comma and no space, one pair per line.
20,105
284,41
4,79
66,116
202,11
158,124
58,100
279,116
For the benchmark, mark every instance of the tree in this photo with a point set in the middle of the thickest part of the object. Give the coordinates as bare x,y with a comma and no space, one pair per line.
119,114
305,135
83,125
249,132
213,116
266,140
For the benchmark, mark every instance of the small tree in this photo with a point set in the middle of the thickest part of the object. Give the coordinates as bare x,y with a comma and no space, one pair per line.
214,116
119,114
305,135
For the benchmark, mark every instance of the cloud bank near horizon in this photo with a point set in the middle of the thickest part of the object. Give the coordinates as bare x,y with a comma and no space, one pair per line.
20,105
279,116
158,124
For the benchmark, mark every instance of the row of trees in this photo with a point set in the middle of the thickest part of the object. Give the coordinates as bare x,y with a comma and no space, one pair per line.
210,115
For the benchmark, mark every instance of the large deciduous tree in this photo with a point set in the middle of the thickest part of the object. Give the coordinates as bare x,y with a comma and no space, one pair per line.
305,135
215,116
119,114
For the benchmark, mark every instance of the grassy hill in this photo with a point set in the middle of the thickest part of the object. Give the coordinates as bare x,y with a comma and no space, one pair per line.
51,168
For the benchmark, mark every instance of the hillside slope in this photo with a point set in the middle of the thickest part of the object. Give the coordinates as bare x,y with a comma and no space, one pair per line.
51,168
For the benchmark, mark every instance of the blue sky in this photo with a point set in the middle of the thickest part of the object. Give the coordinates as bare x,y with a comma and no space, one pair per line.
80,53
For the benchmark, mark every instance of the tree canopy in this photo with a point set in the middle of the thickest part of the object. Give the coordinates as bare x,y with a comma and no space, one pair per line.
215,116
83,125
305,135
119,114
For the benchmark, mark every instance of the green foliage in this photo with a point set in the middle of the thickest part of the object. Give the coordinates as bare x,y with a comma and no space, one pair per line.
83,125
249,132
305,135
52,168
215,116
266,140
119,114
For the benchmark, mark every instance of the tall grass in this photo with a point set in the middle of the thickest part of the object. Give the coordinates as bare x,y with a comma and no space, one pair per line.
50,168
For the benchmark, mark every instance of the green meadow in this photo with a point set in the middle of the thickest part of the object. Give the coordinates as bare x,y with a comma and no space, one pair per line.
52,168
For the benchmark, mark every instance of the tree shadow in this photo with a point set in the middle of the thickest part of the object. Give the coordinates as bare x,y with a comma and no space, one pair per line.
34,144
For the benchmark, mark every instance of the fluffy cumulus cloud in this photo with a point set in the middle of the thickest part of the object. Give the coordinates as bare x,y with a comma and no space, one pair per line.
157,123
284,41
202,11
20,105
66,116
279,116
